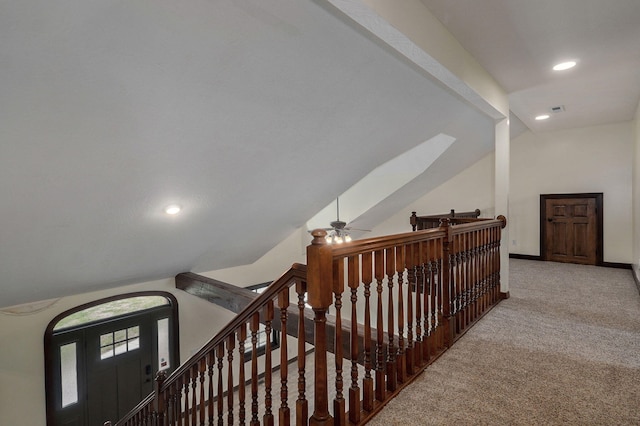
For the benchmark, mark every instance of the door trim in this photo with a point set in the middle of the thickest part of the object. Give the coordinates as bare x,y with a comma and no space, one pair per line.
49,347
598,197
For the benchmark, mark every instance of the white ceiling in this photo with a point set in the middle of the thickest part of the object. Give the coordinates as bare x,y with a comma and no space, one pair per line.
518,42
253,115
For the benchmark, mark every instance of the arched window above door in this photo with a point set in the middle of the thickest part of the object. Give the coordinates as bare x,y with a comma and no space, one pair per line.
110,309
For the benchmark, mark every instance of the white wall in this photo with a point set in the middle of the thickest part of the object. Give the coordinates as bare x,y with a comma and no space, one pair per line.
270,266
591,159
22,389
469,190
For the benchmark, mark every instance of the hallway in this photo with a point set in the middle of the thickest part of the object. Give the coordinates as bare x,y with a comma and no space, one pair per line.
564,349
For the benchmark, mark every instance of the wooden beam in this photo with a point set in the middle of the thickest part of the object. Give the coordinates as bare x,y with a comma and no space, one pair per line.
236,298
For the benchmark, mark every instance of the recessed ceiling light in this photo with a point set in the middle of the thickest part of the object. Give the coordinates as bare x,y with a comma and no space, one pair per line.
542,117
172,209
564,66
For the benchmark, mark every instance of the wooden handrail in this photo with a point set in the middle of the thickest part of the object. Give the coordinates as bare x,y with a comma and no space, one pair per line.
433,221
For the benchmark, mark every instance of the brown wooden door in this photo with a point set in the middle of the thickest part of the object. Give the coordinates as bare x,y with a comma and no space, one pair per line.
571,231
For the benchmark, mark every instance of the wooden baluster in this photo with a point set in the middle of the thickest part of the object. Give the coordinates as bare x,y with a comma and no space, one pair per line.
194,395
211,362
463,257
482,275
177,408
339,404
187,383
367,381
448,320
487,262
419,286
471,274
487,266
457,284
468,260
490,279
491,284
354,389
231,345
487,269
220,392
477,274
466,254
202,366
496,265
242,337
171,391
380,361
284,412
268,367
436,297
448,327
319,275
412,285
392,370
302,405
177,398
491,264
427,295
401,360
159,400
254,326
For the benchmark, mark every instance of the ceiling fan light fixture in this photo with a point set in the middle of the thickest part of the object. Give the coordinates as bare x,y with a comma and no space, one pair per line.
564,65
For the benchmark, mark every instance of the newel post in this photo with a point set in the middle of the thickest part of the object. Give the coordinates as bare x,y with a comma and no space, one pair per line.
413,220
319,281
158,399
449,327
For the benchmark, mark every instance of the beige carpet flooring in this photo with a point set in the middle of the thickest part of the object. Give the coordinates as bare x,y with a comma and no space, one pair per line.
563,350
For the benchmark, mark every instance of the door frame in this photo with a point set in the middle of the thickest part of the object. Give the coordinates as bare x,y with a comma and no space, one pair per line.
598,197
50,365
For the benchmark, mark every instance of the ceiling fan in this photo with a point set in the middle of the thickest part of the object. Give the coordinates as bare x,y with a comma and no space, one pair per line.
339,232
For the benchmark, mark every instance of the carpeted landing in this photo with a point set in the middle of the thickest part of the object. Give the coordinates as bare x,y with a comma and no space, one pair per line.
563,350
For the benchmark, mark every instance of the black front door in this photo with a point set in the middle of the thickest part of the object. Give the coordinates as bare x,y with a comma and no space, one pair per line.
119,367
103,370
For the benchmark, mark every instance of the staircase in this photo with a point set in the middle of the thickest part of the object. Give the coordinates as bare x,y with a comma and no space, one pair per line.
383,309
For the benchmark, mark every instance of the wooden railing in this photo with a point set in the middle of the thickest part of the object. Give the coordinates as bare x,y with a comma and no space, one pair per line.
433,221
422,290
206,389
401,300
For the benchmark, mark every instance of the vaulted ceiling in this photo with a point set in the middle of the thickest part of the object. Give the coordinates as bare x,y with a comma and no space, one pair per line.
252,115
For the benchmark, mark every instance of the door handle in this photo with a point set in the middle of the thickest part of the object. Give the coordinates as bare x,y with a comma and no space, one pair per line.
549,220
